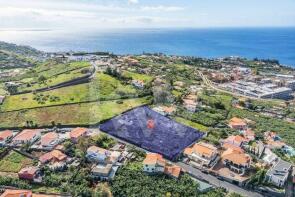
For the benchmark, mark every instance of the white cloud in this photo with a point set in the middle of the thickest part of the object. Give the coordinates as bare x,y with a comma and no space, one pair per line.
133,1
162,8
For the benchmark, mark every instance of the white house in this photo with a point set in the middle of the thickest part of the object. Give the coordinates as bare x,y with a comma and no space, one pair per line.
279,173
102,156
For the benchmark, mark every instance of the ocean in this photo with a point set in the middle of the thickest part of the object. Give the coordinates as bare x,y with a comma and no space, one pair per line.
272,43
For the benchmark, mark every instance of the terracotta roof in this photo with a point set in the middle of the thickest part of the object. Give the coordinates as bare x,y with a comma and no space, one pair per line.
16,193
153,159
169,109
201,149
173,170
24,193
237,121
233,148
48,138
78,132
29,170
97,150
237,158
55,154
27,134
235,138
5,134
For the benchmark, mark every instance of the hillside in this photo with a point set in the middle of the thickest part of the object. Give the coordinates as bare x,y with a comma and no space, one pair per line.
20,50
14,56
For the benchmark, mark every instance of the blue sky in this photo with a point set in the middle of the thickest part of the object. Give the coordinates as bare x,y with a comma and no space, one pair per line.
103,14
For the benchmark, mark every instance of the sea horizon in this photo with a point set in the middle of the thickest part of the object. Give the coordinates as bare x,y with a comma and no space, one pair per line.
249,42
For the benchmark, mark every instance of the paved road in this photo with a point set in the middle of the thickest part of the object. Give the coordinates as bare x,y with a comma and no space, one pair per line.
218,183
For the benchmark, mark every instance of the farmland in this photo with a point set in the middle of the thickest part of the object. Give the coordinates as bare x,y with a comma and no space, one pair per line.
13,162
102,87
73,114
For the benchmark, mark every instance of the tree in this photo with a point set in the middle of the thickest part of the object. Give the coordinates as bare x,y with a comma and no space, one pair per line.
42,79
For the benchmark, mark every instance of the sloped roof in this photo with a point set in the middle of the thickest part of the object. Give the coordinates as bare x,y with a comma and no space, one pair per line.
5,134
27,134
48,138
237,121
77,132
154,159
202,149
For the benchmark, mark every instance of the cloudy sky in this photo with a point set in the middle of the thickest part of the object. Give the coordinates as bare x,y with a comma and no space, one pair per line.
102,14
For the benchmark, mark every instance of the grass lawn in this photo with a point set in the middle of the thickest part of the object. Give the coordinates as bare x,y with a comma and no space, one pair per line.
74,114
14,162
191,124
137,76
102,87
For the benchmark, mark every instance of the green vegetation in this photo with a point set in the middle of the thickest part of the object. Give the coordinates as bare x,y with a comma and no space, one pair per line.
132,181
263,123
73,114
102,87
137,76
14,162
191,124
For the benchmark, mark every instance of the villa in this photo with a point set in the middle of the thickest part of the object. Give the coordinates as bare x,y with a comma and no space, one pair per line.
30,174
236,160
104,172
27,136
236,140
78,132
202,154
237,124
155,163
55,159
103,156
279,173
50,140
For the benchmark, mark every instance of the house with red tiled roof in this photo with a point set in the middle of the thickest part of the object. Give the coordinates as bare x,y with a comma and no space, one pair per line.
236,160
202,154
235,140
5,136
50,140
155,163
24,193
54,159
78,132
30,173
237,123
27,136
17,193
249,134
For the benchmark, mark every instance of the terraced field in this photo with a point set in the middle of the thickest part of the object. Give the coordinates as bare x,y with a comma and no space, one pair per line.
102,87
14,162
73,114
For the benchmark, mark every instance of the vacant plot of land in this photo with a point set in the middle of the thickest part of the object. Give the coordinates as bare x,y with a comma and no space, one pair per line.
51,73
152,131
191,124
102,87
74,114
14,162
137,76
